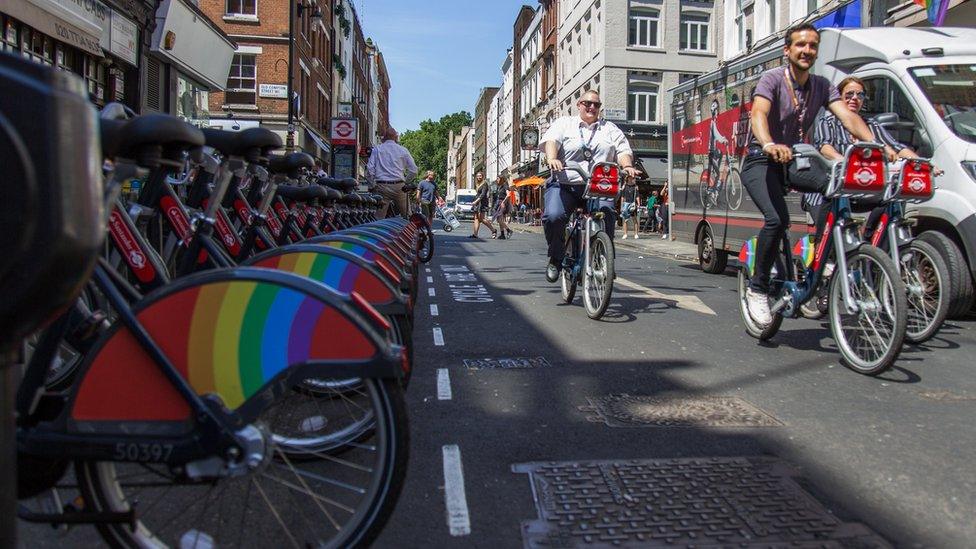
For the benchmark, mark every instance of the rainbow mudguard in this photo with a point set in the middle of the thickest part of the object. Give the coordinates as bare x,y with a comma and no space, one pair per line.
371,250
405,234
747,256
804,250
392,242
245,335
338,269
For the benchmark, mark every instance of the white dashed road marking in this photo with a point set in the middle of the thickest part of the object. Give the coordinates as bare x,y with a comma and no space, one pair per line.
433,310
458,520
443,384
431,292
430,280
438,337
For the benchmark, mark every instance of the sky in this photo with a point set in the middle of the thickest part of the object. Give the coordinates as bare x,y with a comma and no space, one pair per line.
439,53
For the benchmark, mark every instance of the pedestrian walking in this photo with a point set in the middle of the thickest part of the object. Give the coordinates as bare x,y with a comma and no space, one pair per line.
652,206
427,195
501,208
628,207
390,165
480,206
663,212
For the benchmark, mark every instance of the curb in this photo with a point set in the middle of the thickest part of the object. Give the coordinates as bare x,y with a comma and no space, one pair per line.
646,247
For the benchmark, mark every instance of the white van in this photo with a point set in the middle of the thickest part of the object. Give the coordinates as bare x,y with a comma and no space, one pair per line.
463,207
925,80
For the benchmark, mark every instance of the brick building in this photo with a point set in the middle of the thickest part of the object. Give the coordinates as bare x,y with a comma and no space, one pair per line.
257,86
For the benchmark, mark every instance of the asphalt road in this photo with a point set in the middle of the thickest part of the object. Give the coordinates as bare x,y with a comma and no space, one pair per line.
663,424
891,453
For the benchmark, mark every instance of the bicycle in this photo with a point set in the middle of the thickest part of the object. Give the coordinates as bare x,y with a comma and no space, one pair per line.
867,304
589,252
710,186
425,237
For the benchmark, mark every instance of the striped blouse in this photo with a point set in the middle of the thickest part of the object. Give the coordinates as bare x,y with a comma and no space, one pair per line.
830,131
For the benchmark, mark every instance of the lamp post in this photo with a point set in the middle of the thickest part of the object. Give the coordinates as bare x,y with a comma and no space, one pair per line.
300,6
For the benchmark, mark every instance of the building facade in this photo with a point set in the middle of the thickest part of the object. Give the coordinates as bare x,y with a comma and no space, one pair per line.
480,127
492,137
522,21
530,79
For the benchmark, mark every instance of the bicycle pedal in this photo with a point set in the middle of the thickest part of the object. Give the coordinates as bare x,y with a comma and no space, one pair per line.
88,327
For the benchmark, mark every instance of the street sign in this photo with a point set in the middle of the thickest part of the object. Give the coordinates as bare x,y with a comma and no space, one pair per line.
273,91
345,131
615,114
345,109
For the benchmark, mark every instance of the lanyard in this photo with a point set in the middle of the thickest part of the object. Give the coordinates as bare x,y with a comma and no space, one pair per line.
800,109
586,146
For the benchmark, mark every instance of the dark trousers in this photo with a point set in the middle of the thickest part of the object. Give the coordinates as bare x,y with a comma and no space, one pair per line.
560,201
764,181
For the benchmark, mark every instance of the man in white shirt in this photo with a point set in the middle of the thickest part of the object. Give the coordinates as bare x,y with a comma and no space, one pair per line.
584,140
389,166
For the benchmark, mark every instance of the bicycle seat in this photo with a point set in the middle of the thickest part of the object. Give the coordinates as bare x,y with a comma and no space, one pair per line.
353,199
331,194
290,163
343,185
129,138
300,194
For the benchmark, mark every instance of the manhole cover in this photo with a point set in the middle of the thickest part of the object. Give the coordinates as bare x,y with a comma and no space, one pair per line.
748,502
506,363
645,411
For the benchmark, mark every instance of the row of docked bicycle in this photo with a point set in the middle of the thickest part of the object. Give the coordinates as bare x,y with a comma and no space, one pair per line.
232,372
877,291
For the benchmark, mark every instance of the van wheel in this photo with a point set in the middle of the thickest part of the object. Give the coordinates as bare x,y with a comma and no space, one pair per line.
712,261
960,281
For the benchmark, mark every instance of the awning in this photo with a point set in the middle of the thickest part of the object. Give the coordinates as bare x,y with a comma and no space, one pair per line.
57,20
534,180
319,141
655,168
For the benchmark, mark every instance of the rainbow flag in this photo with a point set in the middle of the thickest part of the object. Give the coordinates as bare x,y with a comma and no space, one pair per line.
936,9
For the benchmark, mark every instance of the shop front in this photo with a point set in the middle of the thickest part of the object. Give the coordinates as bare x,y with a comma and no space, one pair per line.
100,42
191,57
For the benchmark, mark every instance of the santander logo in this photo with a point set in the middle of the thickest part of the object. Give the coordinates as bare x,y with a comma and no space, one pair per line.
865,177
136,259
916,184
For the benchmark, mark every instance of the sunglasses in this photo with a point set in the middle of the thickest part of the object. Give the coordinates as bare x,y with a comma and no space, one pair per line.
851,95
591,104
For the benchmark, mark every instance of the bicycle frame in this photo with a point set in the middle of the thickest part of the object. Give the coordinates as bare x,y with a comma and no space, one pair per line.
592,220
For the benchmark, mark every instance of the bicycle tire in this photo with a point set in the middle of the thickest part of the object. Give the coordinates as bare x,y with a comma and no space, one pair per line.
102,491
926,278
425,242
733,189
598,276
568,285
882,316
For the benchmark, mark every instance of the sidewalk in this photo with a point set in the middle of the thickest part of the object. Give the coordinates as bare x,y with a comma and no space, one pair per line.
648,243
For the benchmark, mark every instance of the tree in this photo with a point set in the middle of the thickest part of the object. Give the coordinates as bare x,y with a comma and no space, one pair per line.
428,145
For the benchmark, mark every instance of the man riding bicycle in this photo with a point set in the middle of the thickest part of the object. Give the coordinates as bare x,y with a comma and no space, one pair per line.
585,140
785,103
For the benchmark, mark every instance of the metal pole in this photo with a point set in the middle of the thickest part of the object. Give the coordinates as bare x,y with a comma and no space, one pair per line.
290,141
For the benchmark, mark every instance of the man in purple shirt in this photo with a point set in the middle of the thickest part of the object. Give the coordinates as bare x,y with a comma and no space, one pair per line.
784,106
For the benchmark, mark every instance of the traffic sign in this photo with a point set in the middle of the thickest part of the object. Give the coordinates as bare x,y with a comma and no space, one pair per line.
345,131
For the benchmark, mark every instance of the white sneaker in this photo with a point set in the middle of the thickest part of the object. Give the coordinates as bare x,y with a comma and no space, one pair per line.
758,305
829,270
624,237
636,237
664,236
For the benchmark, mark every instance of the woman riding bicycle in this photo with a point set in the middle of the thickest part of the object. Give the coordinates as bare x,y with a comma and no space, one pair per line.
585,140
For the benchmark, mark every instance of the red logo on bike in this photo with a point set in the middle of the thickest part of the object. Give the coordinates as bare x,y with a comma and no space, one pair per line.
177,218
125,241
865,177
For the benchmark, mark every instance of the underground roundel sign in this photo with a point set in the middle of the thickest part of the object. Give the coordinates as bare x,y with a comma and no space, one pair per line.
865,177
345,131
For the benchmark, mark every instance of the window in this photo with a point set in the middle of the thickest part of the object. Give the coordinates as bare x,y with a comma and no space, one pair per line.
694,32
643,29
242,7
642,103
242,83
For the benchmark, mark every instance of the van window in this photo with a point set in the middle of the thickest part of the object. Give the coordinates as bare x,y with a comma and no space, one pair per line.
465,198
951,89
884,95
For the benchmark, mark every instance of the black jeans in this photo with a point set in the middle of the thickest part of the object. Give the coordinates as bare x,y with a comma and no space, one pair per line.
560,201
765,180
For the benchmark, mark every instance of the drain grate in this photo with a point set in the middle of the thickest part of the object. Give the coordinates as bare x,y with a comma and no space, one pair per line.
709,502
506,363
644,411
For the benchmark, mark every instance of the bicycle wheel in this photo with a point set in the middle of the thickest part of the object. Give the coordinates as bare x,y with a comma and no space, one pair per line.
762,333
568,283
926,278
733,189
598,276
425,243
704,192
328,502
869,339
